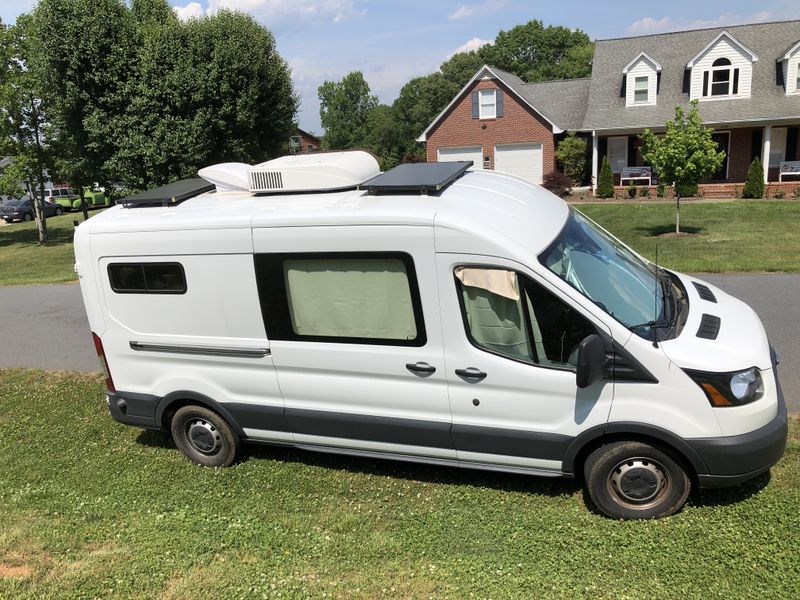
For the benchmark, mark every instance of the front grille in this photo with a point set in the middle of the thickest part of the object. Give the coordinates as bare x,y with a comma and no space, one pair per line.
709,327
704,292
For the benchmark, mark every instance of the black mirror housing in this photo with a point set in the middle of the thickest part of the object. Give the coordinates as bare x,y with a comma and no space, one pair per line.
592,361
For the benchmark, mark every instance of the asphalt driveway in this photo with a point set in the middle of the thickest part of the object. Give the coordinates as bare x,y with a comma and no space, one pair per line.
44,326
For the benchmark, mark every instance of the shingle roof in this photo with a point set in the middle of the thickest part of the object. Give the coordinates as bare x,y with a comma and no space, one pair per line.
768,100
562,101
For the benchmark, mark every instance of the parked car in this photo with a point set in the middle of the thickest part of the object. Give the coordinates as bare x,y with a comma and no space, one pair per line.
65,197
22,210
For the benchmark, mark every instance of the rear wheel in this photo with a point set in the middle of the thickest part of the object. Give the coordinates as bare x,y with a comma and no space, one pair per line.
633,480
59,212
204,437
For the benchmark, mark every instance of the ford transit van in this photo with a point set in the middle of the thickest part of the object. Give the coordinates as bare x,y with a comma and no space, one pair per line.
430,313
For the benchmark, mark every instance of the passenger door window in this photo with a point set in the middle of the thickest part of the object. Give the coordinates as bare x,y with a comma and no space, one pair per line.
507,314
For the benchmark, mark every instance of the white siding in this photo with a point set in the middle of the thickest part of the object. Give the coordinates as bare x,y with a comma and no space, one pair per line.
642,68
739,60
791,70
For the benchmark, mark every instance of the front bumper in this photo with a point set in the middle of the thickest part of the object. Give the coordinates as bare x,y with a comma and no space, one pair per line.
737,458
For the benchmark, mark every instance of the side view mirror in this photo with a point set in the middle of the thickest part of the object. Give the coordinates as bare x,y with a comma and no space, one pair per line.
592,361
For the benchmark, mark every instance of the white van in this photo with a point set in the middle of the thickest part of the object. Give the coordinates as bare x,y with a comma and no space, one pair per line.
432,314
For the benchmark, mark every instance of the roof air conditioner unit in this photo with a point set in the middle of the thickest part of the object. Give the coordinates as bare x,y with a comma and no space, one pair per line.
322,172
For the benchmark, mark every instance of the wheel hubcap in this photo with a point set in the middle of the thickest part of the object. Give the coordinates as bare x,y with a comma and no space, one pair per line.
638,480
203,436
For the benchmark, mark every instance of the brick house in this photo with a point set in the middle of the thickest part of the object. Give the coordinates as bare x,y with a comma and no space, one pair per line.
302,142
746,79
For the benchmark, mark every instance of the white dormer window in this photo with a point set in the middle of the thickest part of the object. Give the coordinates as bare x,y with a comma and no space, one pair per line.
487,106
641,76
722,79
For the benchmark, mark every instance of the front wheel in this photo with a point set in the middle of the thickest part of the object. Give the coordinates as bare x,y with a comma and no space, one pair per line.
204,437
633,480
27,217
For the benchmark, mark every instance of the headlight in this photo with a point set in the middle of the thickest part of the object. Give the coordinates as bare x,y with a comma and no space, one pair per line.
730,389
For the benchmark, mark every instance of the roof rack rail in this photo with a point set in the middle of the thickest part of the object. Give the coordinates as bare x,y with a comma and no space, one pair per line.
422,178
170,194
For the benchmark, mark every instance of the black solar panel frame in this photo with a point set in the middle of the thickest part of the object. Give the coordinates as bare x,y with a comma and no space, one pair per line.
169,194
421,178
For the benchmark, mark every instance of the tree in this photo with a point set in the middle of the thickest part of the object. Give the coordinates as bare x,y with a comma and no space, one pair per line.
462,66
754,184
605,181
22,118
571,152
685,155
383,137
344,108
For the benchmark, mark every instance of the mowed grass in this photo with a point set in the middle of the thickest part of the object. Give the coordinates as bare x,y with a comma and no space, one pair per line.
90,508
741,236
22,261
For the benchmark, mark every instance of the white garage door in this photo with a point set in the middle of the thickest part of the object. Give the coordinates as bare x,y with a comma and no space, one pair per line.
473,153
522,160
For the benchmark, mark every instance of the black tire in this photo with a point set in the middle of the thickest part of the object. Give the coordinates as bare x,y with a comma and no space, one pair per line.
27,217
633,480
59,212
204,437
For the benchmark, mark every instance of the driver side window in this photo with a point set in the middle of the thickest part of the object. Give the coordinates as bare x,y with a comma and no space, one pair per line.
507,314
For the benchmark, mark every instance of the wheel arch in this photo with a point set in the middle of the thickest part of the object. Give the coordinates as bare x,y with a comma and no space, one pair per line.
591,439
174,400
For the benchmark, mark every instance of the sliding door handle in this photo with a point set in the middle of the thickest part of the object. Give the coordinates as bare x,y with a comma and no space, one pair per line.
471,373
421,367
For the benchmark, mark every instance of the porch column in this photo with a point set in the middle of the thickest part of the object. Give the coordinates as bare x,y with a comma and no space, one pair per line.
594,162
765,154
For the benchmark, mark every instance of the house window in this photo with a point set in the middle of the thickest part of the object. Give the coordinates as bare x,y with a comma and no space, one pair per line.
721,80
797,80
641,89
488,104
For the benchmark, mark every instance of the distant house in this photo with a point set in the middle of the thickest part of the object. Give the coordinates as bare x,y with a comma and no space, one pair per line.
746,79
302,142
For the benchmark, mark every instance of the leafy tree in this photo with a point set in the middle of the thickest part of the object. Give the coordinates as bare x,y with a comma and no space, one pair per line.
571,152
22,118
383,136
605,181
685,155
344,108
754,184
419,102
461,67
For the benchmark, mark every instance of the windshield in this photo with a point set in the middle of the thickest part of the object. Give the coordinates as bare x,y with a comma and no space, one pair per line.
602,269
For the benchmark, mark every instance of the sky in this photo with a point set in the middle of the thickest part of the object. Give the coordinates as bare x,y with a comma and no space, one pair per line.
391,41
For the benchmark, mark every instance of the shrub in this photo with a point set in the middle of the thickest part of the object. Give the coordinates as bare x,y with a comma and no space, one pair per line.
571,152
557,182
661,190
797,193
686,190
779,195
644,192
754,184
605,181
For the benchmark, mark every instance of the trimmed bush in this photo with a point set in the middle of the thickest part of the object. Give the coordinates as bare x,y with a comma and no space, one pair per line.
605,181
687,190
557,182
661,190
754,185
644,192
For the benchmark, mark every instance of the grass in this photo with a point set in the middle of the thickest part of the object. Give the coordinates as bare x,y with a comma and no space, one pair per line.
24,262
741,236
91,508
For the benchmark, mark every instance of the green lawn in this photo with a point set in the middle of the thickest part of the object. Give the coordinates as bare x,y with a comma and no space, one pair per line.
749,236
743,236
90,508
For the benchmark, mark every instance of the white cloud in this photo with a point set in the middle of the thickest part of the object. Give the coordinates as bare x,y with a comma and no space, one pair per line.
470,45
271,12
465,11
650,25
190,11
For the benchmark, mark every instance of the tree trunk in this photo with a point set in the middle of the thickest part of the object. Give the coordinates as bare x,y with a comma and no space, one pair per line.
38,211
677,211
84,208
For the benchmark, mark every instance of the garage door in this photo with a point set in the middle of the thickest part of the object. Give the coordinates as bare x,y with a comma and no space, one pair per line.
522,160
473,153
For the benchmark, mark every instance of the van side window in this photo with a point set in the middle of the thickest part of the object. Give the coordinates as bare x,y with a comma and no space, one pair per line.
147,278
367,298
510,315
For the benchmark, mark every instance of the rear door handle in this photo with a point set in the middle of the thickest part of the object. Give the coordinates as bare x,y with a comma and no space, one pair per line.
421,367
471,373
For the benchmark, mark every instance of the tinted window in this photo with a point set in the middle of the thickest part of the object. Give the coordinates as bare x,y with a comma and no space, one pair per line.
147,278
352,298
510,315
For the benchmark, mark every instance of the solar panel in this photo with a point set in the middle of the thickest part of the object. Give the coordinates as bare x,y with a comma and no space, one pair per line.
422,178
170,194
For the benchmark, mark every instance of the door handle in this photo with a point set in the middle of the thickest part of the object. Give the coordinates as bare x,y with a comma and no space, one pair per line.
471,373
421,367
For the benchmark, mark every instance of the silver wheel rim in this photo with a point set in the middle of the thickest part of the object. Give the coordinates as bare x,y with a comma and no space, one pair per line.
203,437
638,482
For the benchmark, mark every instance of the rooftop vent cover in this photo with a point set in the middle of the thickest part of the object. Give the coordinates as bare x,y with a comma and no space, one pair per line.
318,172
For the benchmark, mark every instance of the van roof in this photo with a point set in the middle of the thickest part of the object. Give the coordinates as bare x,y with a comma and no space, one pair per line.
488,204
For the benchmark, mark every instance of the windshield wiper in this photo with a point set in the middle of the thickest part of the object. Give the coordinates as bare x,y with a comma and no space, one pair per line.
651,325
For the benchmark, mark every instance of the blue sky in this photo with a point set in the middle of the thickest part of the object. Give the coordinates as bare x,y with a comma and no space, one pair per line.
393,41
